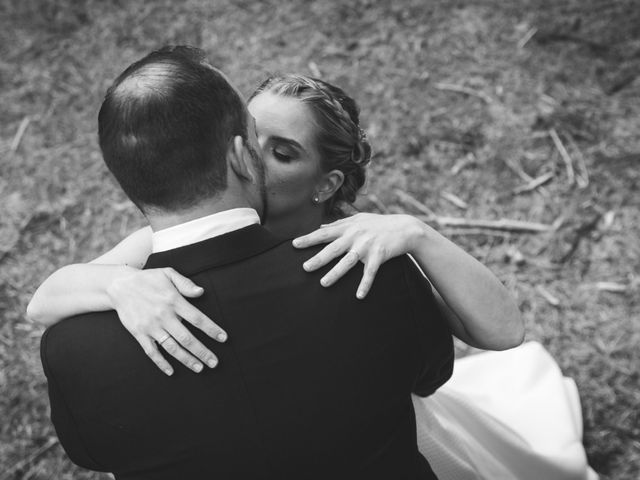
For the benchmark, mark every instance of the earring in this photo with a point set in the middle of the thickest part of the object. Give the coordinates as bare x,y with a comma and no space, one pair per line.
316,199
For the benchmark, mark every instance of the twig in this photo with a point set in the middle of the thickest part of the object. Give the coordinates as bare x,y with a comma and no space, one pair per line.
457,222
404,196
462,232
378,203
533,184
469,159
457,201
313,68
52,442
548,296
461,89
579,233
504,224
19,134
564,154
612,287
582,178
517,169
527,36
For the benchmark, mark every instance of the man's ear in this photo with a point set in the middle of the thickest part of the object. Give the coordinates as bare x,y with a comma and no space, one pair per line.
329,185
239,158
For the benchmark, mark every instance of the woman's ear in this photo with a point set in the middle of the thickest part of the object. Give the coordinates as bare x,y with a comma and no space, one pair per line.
240,160
329,185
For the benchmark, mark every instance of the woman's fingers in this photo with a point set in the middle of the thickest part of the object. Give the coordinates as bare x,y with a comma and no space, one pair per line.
184,285
150,348
180,342
370,270
345,264
322,235
199,320
328,253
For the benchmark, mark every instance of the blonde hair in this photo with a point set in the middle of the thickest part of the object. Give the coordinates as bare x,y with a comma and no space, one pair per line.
342,144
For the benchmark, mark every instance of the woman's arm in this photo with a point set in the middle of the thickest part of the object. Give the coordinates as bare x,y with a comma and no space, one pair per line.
480,310
82,288
150,303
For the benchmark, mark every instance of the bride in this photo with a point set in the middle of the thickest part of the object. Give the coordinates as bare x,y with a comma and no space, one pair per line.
503,415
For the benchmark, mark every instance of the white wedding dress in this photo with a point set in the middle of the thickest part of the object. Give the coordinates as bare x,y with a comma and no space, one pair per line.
502,416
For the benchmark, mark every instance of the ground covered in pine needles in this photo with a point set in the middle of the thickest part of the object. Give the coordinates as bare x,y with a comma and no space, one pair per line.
478,111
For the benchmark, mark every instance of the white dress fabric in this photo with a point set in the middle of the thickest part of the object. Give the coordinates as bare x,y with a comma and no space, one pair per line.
502,416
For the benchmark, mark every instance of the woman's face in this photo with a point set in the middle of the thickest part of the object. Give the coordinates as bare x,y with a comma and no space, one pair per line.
285,131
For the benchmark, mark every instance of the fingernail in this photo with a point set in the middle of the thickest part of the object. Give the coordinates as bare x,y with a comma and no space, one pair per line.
197,367
296,242
212,362
360,295
324,282
199,289
168,372
222,337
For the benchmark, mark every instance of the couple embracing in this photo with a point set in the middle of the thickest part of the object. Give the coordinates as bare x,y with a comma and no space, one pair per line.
283,338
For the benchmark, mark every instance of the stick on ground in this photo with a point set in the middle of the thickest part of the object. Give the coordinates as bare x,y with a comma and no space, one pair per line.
465,90
582,175
457,201
503,224
408,199
533,184
544,293
563,154
19,134
52,442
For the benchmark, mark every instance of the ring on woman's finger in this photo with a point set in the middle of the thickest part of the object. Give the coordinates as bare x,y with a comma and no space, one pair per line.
164,339
354,253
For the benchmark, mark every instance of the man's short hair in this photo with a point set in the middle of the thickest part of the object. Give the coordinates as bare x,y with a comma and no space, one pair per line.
165,127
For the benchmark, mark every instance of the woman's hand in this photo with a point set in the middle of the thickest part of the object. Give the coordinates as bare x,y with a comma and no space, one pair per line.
151,304
370,238
478,308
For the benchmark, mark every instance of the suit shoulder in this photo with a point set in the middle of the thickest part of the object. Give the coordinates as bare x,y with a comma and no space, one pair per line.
77,332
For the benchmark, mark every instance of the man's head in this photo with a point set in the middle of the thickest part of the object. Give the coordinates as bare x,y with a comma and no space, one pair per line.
170,125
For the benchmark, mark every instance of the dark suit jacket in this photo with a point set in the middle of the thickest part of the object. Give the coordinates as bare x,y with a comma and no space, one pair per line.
312,382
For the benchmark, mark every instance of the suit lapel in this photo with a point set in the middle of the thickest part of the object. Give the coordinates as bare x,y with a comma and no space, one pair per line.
221,250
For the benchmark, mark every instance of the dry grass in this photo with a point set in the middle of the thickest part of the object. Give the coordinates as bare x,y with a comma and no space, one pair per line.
528,68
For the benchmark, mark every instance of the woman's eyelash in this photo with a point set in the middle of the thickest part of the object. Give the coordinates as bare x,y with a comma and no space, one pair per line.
283,157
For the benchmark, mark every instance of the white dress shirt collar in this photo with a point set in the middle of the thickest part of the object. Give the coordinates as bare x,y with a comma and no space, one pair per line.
203,228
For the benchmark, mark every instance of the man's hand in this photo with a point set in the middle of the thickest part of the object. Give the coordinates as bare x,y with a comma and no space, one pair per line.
151,304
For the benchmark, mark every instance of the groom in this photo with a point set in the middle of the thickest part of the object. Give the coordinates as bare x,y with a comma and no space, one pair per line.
313,383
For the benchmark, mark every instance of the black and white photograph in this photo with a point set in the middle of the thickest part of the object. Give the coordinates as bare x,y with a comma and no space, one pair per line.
319,240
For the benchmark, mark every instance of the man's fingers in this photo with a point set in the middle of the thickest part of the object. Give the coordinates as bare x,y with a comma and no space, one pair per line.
345,264
322,235
183,346
150,348
370,270
184,285
199,320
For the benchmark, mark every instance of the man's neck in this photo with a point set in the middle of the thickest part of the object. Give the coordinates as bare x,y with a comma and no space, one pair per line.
160,221
294,225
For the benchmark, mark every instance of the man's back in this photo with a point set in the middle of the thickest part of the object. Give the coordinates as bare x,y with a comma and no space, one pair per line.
312,383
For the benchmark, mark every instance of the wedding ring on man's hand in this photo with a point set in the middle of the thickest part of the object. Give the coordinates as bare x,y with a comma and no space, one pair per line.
164,339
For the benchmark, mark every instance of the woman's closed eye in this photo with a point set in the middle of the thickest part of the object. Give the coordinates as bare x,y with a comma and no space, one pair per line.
281,155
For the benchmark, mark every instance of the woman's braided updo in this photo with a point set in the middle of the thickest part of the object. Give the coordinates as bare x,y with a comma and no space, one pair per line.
340,141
